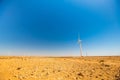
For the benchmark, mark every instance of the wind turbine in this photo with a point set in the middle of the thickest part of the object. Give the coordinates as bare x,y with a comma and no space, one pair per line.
80,45
86,53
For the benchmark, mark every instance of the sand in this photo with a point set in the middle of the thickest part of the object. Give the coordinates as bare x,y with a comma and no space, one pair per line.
59,68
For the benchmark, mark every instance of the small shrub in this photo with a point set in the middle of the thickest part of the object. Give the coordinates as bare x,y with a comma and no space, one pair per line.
101,61
18,68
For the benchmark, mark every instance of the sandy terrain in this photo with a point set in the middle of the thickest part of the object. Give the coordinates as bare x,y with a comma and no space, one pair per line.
60,68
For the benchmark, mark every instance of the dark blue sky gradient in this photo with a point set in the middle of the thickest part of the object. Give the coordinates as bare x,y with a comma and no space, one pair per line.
36,23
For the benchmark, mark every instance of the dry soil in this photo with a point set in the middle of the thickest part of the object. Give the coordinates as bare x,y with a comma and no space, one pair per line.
59,68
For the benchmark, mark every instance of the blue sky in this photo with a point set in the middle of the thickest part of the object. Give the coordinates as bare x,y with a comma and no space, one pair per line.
51,27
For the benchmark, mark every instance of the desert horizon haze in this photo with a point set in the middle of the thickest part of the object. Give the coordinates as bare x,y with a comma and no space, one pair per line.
46,27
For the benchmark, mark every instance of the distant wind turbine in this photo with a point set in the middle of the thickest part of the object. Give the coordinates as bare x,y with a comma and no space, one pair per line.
86,53
80,44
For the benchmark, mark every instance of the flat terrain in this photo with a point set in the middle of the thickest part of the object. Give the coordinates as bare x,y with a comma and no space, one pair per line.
59,68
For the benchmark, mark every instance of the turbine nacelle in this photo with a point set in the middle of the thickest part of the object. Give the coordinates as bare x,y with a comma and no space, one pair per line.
79,41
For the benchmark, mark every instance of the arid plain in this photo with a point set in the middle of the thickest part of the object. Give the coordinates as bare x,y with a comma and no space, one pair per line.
59,68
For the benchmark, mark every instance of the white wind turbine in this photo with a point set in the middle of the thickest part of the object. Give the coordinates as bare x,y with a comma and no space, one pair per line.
80,45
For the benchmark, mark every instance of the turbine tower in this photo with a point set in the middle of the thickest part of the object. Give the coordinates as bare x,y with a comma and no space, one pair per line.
80,45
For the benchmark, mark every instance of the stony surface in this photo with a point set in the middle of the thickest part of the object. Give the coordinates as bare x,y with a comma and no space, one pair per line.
60,68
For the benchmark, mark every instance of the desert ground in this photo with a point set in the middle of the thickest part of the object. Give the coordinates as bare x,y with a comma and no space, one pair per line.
59,68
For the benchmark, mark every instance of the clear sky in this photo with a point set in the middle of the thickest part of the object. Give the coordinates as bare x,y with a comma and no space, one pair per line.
51,27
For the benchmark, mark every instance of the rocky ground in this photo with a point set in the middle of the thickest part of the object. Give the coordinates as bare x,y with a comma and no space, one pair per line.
60,68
